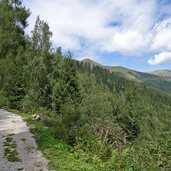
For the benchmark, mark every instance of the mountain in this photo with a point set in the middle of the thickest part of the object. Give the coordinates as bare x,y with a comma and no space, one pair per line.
122,71
158,79
91,62
162,73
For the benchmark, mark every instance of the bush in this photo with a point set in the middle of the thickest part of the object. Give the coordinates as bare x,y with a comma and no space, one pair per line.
3,100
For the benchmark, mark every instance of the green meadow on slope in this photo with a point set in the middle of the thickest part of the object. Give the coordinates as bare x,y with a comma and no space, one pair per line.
163,73
160,79
91,118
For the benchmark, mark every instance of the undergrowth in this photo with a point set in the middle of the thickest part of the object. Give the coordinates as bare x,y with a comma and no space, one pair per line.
10,149
140,156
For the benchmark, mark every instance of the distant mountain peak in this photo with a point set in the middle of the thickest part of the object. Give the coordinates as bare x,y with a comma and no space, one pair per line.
122,71
91,62
162,73
132,74
87,60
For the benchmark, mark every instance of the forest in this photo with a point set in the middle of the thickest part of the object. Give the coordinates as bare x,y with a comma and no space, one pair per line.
92,119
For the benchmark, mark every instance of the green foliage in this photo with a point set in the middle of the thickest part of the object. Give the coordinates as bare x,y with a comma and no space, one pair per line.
3,100
160,79
66,90
15,85
13,20
90,119
41,36
39,89
10,152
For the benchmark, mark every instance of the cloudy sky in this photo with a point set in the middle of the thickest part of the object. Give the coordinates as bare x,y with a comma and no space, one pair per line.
131,33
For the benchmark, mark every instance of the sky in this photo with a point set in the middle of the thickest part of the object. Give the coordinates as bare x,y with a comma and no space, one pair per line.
132,33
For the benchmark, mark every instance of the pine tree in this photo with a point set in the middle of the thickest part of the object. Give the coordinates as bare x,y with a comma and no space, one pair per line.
66,89
13,21
16,82
41,36
39,92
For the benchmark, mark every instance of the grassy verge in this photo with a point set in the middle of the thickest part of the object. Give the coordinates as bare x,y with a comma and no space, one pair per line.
60,155
63,157
10,149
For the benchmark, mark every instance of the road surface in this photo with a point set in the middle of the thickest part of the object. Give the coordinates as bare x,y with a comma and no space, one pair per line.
18,149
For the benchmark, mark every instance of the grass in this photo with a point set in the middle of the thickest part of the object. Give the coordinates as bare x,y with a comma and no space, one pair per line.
60,155
10,150
8,139
63,157
57,152
23,139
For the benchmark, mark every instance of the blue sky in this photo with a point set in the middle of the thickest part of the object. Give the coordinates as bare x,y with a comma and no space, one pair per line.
132,33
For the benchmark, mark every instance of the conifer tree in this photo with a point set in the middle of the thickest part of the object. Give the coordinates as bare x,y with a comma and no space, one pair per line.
13,21
67,87
41,36
39,90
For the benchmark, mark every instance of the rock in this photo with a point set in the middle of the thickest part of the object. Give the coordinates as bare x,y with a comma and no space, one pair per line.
36,117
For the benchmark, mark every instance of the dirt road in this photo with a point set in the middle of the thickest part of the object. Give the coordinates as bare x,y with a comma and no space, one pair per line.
18,150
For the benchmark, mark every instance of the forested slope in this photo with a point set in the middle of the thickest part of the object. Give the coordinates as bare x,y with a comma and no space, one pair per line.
156,79
103,121
162,73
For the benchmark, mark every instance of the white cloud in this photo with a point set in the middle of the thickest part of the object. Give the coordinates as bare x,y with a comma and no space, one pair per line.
73,22
160,58
90,21
161,42
162,37
129,27
129,41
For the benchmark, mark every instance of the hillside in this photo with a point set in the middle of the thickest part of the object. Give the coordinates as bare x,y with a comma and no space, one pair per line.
84,116
158,79
162,73
122,71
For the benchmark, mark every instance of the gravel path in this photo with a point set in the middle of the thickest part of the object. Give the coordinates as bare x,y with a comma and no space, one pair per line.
13,128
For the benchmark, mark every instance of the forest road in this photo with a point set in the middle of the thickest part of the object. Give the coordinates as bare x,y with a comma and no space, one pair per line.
18,149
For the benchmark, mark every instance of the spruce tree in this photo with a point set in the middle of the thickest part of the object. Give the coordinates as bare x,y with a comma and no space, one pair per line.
13,21
39,92
41,36
67,89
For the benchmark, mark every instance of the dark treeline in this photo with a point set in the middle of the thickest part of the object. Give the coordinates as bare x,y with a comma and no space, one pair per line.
117,123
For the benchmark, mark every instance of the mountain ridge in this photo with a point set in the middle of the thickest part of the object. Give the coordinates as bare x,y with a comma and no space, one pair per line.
120,70
162,73
153,78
